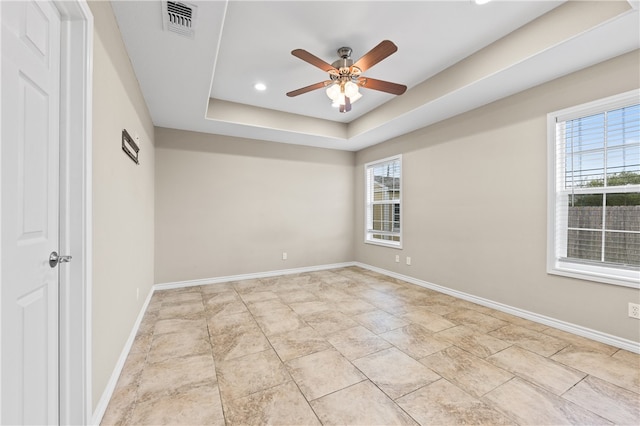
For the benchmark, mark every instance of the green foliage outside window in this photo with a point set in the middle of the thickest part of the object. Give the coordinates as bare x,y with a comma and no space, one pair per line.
618,199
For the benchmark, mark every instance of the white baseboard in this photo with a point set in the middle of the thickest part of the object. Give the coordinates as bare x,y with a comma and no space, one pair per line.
579,330
267,274
101,407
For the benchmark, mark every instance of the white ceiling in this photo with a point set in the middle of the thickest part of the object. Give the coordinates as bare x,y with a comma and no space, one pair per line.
239,43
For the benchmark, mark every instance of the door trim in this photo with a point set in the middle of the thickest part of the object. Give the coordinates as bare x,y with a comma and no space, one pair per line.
76,88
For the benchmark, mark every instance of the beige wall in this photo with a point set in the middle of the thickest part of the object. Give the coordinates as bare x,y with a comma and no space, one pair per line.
228,206
475,204
122,199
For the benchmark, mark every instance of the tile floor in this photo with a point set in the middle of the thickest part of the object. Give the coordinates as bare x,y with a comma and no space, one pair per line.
350,346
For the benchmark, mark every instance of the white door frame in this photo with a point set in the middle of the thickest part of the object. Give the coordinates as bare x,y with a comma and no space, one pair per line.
75,210
76,73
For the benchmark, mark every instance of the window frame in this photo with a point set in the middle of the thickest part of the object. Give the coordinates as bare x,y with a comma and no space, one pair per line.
368,206
557,227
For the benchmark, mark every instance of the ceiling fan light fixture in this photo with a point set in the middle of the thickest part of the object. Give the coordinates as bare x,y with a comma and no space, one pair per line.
337,91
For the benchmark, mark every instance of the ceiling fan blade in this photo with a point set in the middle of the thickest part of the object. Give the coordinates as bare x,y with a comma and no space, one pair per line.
312,59
375,55
309,88
381,85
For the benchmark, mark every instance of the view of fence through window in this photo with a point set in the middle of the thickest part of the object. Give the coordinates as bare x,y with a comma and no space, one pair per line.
602,186
383,198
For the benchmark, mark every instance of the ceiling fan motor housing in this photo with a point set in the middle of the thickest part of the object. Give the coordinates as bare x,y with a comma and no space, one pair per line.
344,52
344,65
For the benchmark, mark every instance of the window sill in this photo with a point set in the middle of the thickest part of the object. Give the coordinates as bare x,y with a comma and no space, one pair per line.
603,274
395,245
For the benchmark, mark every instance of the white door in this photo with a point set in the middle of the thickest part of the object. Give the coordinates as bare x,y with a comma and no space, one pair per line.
30,178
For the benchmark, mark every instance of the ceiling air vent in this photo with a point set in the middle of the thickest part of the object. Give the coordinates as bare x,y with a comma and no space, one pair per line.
179,17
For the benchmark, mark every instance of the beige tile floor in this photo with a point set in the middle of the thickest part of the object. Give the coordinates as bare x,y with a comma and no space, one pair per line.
350,346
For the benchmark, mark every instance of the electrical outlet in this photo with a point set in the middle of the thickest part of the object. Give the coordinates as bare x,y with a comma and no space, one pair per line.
284,255
408,260
397,258
634,310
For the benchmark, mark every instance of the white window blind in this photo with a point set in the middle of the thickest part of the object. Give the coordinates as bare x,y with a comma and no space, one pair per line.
596,190
383,193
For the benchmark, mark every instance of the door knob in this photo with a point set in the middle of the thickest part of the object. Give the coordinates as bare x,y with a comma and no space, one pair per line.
54,259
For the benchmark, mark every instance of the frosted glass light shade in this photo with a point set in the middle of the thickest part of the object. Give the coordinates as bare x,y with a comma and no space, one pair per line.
333,92
350,89
355,97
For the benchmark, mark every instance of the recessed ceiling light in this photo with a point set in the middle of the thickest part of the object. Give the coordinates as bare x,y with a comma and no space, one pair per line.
482,1
260,86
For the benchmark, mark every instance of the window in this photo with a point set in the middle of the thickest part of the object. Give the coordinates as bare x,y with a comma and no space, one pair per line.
383,202
594,191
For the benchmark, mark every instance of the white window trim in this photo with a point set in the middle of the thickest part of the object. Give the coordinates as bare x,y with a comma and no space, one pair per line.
367,238
565,267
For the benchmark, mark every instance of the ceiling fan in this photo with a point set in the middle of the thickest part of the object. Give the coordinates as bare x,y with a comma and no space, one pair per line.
346,76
